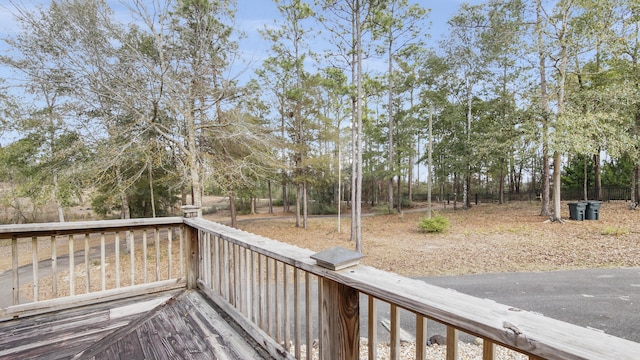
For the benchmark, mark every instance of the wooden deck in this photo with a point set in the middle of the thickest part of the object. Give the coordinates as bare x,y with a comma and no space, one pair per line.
167,325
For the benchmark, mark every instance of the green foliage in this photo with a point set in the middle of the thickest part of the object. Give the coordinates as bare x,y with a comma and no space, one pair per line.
323,209
573,174
435,224
614,231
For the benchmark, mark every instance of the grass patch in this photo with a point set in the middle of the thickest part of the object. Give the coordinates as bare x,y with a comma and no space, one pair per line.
614,231
435,224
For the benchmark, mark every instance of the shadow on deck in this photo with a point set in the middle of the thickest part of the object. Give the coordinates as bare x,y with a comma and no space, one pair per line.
166,325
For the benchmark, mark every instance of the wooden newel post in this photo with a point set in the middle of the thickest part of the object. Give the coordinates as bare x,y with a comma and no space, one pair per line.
192,254
340,308
340,321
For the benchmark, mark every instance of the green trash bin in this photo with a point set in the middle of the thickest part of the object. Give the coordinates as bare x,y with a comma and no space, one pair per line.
593,210
577,210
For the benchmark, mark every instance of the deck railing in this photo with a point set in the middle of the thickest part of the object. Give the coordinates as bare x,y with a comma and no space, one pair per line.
55,265
276,292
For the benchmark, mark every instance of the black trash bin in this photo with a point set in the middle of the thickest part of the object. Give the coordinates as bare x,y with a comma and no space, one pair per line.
577,210
593,210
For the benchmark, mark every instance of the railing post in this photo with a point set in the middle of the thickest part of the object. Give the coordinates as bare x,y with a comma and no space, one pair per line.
192,255
340,321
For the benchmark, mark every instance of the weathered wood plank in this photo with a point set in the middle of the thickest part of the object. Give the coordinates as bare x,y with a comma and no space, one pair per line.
476,316
35,261
103,264
421,337
452,343
14,268
144,256
52,305
341,322
395,332
308,306
117,255
488,350
269,345
87,264
70,228
72,267
372,327
54,267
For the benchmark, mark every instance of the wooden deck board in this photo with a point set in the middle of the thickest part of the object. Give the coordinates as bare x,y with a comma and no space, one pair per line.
185,326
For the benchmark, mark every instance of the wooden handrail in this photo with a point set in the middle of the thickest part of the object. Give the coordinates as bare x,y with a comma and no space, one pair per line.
529,333
266,286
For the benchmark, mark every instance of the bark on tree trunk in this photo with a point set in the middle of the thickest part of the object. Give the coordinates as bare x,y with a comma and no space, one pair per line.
232,207
501,195
557,166
597,169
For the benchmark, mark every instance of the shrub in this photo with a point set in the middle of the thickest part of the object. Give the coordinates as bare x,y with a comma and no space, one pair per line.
437,223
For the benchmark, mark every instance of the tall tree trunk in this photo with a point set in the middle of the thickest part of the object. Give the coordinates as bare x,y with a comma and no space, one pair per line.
501,187
56,197
390,139
585,181
298,196
270,197
232,207
151,195
358,148
544,106
305,215
597,169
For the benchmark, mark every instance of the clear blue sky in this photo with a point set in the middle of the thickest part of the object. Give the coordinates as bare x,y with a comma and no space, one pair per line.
251,16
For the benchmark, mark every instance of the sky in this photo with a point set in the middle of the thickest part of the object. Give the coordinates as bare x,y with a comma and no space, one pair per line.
251,16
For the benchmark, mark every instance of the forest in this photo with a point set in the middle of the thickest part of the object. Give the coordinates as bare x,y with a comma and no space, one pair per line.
355,104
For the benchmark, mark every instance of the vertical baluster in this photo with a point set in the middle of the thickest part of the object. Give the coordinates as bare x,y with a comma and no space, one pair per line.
372,328
297,311
255,299
72,267
181,251
132,246
286,307
205,245
277,302
248,283
269,298
321,319
87,265
156,242
261,322
307,298
216,265
241,281
394,343
14,269
116,242
489,350
144,255
236,277
225,270
34,264
54,268
421,337
452,343
103,263
169,252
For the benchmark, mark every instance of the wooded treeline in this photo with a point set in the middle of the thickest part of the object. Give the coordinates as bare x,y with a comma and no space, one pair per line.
155,112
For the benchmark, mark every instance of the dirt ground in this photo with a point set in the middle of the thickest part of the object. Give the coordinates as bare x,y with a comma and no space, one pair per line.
485,238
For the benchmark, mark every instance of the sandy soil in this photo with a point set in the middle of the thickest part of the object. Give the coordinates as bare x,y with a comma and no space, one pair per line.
485,238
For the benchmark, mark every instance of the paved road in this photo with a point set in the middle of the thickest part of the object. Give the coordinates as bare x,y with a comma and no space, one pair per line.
604,299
